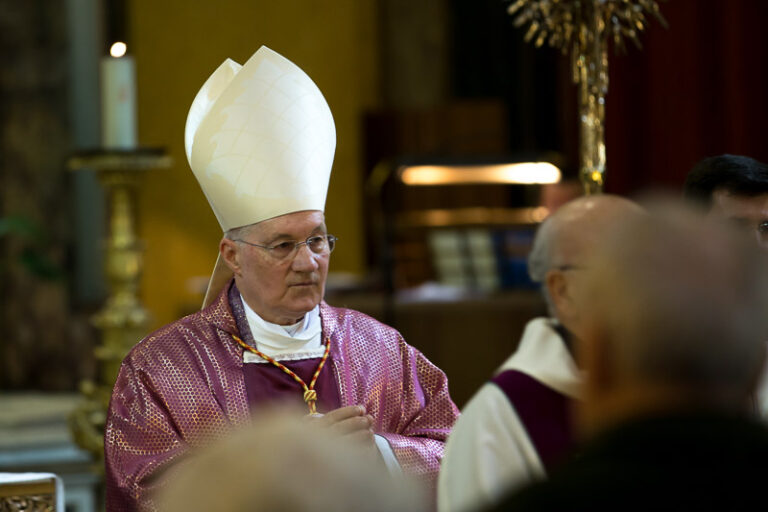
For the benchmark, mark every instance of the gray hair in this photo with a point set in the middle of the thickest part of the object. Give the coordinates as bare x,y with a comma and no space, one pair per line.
540,258
239,232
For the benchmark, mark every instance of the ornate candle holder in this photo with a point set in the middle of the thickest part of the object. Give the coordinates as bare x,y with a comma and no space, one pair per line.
123,320
585,27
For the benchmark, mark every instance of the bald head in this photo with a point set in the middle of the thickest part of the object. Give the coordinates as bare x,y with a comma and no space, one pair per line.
678,306
573,229
566,240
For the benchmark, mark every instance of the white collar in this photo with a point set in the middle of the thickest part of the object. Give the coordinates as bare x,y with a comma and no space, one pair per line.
542,354
273,339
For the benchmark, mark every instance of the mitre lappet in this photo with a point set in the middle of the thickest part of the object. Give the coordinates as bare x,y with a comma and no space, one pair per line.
260,140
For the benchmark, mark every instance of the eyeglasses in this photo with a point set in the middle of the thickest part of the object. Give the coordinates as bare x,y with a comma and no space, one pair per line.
318,244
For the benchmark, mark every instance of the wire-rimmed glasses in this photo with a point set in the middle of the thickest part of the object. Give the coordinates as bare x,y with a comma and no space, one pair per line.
318,244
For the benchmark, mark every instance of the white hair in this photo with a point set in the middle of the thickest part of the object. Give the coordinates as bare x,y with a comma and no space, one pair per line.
540,258
239,232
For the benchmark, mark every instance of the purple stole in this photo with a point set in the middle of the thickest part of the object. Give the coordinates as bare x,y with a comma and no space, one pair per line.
267,384
544,412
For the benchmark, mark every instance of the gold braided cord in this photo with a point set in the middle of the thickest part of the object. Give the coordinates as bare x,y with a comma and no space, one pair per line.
310,394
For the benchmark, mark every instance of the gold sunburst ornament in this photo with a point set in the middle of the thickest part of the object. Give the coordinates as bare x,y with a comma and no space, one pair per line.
585,28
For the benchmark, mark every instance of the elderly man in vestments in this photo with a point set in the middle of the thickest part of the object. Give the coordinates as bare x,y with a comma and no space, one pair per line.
260,139
517,426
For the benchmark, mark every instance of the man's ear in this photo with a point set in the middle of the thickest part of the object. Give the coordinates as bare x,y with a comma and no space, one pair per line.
230,255
560,294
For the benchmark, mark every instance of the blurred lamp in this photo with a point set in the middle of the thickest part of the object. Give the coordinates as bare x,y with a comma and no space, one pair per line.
523,173
118,49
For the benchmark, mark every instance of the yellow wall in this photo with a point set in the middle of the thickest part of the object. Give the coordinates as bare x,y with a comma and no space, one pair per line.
177,44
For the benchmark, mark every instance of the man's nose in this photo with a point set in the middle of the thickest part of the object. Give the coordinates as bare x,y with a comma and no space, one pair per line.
304,260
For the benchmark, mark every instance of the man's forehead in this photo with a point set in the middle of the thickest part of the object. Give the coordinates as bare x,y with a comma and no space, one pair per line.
292,224
729,205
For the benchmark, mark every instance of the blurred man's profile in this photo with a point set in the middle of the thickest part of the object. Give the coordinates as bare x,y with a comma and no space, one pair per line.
671,352
516,429
734,188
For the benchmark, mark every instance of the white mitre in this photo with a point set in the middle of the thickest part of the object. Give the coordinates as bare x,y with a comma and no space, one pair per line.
260,140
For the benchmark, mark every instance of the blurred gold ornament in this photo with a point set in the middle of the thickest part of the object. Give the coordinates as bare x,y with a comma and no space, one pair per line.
585,27
123,320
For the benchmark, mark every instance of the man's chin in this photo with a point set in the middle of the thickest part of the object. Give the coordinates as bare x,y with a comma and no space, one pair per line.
310,291
306,304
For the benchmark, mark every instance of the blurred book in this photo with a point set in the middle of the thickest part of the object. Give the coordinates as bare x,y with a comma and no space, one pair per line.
449,254
512,247
483,259
480,259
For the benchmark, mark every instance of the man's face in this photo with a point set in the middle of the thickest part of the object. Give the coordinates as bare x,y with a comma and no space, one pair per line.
747,212
282,291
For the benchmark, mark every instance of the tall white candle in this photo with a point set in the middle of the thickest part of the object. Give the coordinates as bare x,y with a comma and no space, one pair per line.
118,100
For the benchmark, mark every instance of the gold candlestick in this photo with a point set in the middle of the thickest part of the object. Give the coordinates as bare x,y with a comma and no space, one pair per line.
123,320
585,27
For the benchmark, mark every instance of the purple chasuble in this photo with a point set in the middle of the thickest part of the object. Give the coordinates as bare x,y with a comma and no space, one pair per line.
186,383
544,412
267,384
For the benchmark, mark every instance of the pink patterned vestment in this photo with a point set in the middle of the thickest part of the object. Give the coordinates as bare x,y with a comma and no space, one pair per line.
184,384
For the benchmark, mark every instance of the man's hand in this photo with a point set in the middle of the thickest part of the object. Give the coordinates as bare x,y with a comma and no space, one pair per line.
351,422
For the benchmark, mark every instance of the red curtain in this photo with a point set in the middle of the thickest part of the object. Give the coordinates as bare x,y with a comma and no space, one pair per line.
696,89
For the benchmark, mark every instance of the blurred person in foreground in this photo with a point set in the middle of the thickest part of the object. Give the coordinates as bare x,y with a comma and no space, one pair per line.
671,351
260,140
517,426
735,188
281,464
